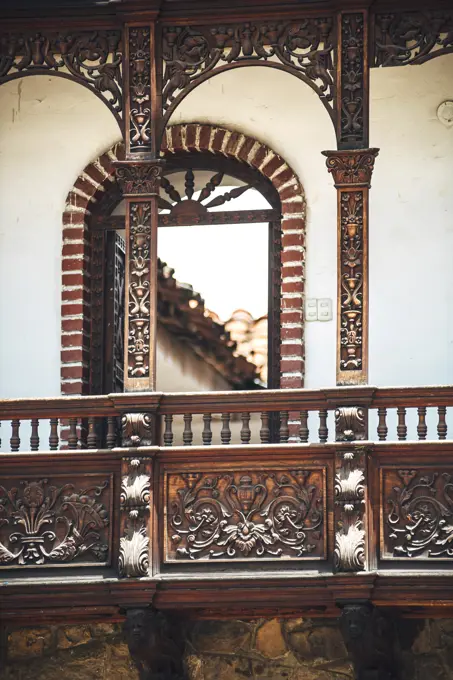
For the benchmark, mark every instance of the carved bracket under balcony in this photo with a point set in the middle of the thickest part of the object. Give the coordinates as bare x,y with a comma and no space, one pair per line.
369,637
135,514
350,480
156,644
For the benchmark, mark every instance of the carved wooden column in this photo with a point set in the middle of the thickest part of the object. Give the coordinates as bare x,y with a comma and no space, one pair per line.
350,490
352,175
139,176
351,167
135,499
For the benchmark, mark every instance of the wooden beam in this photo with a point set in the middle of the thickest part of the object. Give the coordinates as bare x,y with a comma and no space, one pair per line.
118,222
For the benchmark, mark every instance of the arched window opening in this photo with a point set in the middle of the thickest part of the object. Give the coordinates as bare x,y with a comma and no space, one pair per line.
218,306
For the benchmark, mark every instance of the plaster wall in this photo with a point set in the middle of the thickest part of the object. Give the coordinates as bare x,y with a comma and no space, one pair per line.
50,129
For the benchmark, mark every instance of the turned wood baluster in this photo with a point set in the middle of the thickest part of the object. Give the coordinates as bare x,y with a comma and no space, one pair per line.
265,432
92,439
110,439
401,429
245,429
206,435
442,424
34,437
15,439
284,429
303,429
53,436
382,428
187,435
225,432
168,434
72,436
422,429
323,431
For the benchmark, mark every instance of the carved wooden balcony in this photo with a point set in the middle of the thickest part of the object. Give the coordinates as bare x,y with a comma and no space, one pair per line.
293,500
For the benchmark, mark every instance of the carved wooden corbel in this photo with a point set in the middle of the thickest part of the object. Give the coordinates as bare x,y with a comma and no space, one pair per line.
135,513
369,638
156,644
350,484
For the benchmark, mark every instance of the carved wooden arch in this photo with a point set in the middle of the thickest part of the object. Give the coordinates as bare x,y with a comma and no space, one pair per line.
91,186
90,58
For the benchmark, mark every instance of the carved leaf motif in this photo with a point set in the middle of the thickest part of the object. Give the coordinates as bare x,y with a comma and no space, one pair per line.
134,553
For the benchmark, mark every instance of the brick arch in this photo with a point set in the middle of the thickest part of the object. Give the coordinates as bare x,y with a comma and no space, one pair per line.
93,182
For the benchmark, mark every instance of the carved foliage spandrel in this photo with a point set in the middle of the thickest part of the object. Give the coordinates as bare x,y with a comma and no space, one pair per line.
135,510
418,514
54,522
91,57
303,47
245,515
412,37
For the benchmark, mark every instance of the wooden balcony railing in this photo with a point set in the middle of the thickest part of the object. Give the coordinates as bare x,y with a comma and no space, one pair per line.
185,499
204,419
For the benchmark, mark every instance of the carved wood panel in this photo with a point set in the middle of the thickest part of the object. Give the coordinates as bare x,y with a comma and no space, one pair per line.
245,515
353,76
61,520
114,313
417,513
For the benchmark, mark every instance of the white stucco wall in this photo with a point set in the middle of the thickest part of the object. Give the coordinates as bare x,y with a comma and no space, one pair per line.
51,128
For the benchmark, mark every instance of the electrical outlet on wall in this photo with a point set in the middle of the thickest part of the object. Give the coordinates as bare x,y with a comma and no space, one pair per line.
311,309
324,309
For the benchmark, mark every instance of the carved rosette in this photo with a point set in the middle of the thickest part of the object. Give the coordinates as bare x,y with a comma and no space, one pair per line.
352,175
50,522
352,101
273,514
135,510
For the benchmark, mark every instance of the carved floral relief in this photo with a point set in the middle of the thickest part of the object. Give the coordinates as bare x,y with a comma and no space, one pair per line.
139,289
245,515
54,522
417,519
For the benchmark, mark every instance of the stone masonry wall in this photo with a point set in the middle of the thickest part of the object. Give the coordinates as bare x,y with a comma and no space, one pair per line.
287,649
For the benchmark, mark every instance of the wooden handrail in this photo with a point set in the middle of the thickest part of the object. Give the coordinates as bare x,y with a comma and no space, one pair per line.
232,402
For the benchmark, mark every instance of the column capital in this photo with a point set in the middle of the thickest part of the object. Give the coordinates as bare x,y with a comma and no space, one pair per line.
140,177
351,167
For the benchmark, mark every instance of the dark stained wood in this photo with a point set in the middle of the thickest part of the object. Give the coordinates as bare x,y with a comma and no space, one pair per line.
117,222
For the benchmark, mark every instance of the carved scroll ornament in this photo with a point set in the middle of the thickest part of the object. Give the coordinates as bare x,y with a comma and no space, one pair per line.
245,515
139,289
50,524
140,89
350,423
134,502
92,58
412,37
304,48
418,520
351,167
349,552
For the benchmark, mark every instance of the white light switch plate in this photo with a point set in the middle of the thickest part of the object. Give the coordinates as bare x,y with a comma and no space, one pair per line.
311,309
324,312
